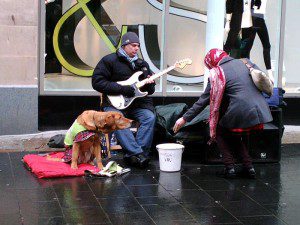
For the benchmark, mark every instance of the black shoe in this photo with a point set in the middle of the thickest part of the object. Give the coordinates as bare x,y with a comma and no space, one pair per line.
248,173
227,173
139,160
143,160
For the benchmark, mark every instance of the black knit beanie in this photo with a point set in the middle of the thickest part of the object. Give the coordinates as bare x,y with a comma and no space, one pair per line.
128,38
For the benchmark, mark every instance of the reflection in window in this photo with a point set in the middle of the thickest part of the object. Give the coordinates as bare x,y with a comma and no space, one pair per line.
254,34
291,78
186,30
79,33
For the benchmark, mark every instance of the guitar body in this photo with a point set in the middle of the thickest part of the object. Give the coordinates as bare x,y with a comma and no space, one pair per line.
122,102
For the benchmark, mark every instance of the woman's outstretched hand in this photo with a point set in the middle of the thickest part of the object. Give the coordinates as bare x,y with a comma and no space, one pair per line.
179,123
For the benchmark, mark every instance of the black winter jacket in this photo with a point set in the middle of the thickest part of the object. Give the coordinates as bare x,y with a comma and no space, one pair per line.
113,68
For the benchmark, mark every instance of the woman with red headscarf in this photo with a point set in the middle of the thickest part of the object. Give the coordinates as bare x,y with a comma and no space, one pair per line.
236,107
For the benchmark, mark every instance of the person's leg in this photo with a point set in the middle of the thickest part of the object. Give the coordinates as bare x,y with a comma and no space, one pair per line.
231,40
242,148
144,135
248,36
224,145
265,40
126,138
244,152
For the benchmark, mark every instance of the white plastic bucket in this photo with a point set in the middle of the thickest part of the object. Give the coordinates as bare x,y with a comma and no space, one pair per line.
170,155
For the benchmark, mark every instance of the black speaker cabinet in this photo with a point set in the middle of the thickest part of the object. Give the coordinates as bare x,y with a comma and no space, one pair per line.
264,146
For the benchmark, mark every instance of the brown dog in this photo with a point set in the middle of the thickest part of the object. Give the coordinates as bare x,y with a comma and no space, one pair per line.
97,122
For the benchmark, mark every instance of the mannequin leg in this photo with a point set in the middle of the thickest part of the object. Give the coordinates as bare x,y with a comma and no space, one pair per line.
248,36
231,40
264,38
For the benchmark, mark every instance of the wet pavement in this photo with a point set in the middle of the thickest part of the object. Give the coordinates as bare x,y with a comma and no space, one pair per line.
193,196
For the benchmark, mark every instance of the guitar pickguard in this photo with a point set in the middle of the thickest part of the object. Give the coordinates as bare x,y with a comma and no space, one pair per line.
122,102
137,94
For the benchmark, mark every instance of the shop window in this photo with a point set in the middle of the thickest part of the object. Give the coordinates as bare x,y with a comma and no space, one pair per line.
259,37
76,34
290,75
79,33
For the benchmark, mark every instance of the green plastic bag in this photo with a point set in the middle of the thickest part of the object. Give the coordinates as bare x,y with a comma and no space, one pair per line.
194,131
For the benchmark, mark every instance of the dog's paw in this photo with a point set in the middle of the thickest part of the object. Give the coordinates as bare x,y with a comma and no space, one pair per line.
100,166
74,166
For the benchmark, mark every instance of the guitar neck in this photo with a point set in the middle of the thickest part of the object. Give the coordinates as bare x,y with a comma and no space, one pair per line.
155,76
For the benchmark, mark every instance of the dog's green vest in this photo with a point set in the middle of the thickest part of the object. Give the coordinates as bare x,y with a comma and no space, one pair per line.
72,132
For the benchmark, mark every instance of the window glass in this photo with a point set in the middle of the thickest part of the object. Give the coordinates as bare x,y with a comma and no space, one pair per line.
186,33
291,78
79,33
259,36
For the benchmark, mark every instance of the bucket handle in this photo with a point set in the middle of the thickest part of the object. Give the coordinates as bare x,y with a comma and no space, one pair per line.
181,143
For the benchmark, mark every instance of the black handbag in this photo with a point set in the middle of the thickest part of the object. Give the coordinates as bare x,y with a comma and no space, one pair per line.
57,141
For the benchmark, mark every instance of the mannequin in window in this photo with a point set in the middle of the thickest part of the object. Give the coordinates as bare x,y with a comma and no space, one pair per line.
260,28
238,15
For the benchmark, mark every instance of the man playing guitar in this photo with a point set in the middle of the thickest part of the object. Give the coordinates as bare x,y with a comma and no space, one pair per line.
117,67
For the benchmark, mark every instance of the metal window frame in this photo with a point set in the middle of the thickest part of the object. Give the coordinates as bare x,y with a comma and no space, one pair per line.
281,49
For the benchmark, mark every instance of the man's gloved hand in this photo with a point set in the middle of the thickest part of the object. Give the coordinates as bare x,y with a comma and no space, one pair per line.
127,91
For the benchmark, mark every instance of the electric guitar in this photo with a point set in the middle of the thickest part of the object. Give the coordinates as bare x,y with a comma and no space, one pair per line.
122,102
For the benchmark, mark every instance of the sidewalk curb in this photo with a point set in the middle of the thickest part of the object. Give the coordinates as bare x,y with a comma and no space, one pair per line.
44,134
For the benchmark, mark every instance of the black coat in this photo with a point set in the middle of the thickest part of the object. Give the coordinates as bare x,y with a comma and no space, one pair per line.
243,105
236,8
114,67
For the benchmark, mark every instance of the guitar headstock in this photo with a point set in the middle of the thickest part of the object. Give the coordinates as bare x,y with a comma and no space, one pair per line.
182,63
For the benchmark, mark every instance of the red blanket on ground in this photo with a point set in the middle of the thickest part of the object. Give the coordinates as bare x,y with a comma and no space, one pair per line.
44,168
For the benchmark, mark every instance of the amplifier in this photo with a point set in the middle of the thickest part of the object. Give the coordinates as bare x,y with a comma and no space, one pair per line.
264,146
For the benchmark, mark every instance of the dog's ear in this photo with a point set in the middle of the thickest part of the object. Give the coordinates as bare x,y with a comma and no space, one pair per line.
118,116
86,119
109,120
100,119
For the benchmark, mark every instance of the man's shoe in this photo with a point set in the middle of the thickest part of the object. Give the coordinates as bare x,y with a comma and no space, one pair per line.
131,161
143,160
137,161
228,173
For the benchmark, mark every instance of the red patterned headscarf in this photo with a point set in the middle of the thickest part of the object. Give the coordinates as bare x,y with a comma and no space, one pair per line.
213,57
217,82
